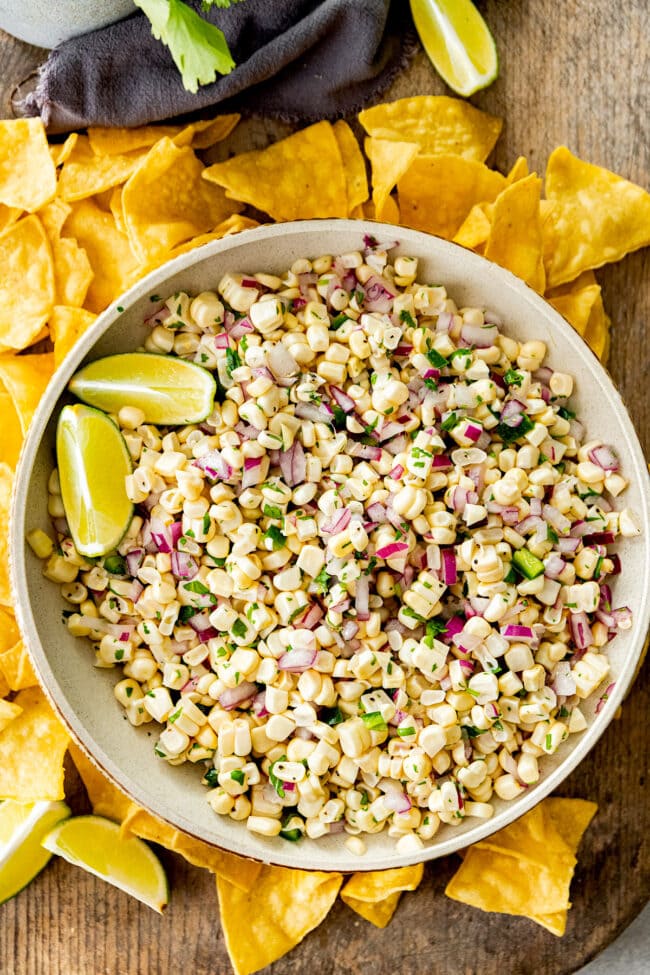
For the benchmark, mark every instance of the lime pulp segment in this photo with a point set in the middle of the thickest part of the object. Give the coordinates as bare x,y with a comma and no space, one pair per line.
458,42
93,462
169,391
22,827
95,844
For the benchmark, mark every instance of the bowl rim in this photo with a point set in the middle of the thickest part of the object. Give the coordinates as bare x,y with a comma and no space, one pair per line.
478,265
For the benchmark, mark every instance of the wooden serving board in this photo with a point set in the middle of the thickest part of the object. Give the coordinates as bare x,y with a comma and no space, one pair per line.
576,73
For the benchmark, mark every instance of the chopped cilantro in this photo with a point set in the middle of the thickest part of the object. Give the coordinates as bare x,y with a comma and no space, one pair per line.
212,778
407,319
275,536
239,628
238,776
513,378
274,780
374,721
232,361
510,434
271,511
469,731
449,424
565,413
331,716
338,321
322,580
437,361
198,587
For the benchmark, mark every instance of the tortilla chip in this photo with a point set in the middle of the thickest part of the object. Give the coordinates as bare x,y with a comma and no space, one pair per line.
27,290
438,124
32,749
67,325
390,212
354,165
599,217
111,259
116,142
9,632
233,225
106,799
519,171
8,712
203,134
265,923
8,215
17,667
84,173
115,206
6,484
239,871
61,151
526,868
72,270
576,307
53,216
166,202
27,173
598,331
437,192
4,685
299,177
475,228
25,378
515,239
389,161
375,895
11,434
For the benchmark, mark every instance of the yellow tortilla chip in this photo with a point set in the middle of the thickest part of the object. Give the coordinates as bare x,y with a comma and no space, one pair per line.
25,378
240,872
166,202
111,258
115,142
106,799
438,124
203,134
4,686
597,333
526,868
375,895
11,434
67,325
32,749
389,161
115,206
354,165
61,151
299,177
390,212
85,174
26,284
6,485
17,667
515,239
265,923
9,632
576,307
8,215
27,173
519,171
233,225
437,192
475,228
8,711
72,270
599,217
53,216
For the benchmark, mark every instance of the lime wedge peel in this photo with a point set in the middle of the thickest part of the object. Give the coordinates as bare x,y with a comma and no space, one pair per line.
93,462
22,827
458,42
170,391
95,844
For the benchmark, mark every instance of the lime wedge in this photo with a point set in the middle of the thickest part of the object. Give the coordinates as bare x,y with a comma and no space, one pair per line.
93,462
458,42
22,827
168,390
95,844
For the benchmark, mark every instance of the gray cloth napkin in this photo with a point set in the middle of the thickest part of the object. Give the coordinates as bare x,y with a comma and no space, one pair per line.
300,60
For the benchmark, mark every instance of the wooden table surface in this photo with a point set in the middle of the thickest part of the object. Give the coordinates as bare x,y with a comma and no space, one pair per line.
573,72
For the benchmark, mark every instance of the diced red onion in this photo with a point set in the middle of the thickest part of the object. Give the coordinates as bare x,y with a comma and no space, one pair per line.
214,465
183,565
298,660
582,528
293,464
388,431
514,631
529,524
472,431
134,560
338,522
306,280
580,630
512,408
623,617
346,403
397,445
392,550
312,617
246,431
399,802
252,472
281,362
481,336
232,697
567,545
448,569
555,518
200,622
121,631
563,681
604,698
314,412
444,322
600,538
222,340
363,451
361,598
554,566
258,706
378,294
604,457
349,630
377,513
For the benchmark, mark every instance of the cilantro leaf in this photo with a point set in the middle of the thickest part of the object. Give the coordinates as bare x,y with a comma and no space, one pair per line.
199,49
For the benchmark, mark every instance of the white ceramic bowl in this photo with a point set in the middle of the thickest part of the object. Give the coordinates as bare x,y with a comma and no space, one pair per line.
83,696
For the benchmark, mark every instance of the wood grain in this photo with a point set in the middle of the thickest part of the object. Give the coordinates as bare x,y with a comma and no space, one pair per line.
575,73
